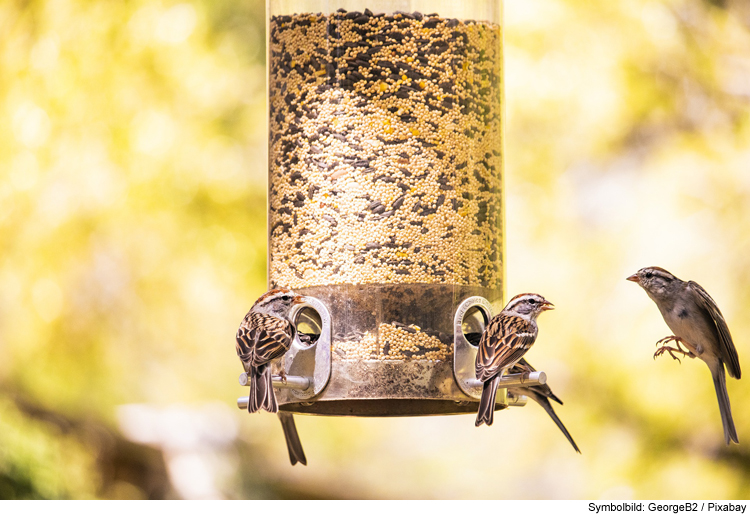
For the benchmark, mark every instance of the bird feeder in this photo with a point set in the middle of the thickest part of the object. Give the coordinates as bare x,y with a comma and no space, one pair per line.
385,199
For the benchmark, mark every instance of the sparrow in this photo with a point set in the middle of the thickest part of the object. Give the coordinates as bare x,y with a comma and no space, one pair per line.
264,335
699,327
505,340
541,394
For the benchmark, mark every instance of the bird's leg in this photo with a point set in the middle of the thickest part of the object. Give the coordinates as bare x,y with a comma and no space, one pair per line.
667,339
282,373
664,348
679,342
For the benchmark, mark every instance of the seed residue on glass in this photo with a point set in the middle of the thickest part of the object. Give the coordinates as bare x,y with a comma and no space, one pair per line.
397,341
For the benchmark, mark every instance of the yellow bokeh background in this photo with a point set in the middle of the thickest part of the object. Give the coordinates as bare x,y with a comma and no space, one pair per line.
133,241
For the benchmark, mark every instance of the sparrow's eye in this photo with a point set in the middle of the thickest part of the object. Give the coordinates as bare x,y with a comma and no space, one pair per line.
649,274
286,298
532,301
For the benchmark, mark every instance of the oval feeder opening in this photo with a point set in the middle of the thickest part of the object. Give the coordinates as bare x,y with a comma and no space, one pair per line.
473,324
308,325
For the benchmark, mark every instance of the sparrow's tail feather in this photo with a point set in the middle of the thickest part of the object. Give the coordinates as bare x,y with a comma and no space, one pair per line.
261,391
487,402
547,406
720,384
296,453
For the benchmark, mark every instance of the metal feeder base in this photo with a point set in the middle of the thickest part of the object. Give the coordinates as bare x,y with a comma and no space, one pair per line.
388,388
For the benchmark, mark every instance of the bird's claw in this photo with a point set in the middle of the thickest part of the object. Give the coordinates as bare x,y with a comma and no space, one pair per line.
664,348
677,340
669,349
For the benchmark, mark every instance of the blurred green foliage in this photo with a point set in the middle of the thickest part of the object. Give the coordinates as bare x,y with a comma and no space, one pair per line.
33,466
132,242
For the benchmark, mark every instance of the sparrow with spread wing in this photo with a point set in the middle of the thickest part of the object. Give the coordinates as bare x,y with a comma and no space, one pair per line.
699,327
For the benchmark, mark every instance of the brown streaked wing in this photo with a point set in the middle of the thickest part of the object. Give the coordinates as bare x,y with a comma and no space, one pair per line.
728,352
262,338
504,342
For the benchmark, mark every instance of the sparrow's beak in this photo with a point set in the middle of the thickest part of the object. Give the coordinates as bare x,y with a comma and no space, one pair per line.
634,278
546,305
298,299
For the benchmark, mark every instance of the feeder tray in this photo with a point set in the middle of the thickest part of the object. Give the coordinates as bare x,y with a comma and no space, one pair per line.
320,383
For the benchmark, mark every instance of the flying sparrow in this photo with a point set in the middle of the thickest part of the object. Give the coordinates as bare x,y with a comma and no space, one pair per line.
296,453
699,326
265,334
541,394
505,340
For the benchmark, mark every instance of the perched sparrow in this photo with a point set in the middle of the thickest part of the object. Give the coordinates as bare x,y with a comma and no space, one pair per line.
296,453
505,340
697,324
541,394
265,334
